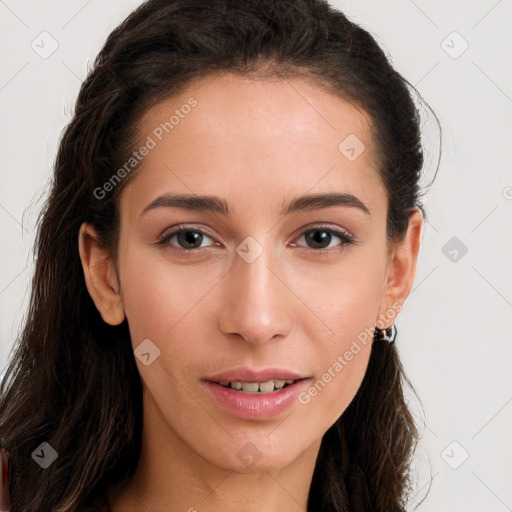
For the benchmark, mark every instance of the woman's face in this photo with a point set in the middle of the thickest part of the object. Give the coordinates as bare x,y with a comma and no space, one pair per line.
264,281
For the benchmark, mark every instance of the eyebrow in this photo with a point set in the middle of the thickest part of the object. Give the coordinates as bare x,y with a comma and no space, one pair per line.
214,204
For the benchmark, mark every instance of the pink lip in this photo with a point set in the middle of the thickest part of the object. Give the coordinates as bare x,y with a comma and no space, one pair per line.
248,374
254,406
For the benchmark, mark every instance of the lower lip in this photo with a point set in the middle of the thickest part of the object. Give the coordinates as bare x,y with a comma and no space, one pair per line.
252,406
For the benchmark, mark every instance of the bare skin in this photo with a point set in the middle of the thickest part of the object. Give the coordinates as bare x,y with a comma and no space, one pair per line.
257,144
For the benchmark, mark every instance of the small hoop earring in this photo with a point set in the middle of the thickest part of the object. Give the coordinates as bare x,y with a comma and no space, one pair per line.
388,334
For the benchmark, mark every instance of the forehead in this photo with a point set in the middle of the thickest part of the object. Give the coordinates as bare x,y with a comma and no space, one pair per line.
257,138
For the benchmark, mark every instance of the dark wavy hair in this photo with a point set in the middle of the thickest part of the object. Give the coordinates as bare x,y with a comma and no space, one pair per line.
72,380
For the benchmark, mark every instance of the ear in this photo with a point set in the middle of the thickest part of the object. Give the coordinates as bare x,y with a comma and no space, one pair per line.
100,276
401,271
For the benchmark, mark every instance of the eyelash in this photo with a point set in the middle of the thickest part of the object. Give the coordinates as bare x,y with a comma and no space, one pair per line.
345,238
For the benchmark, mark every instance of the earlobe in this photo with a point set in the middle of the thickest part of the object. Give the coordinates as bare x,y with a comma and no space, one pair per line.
100,276
402,269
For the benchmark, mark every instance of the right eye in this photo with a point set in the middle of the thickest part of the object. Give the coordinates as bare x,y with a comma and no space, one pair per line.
184,240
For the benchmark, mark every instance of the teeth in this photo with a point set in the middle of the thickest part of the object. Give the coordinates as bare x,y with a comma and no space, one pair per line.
251,387
268,386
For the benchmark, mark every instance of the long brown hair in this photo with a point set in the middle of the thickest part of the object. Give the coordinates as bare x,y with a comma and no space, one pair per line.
72,381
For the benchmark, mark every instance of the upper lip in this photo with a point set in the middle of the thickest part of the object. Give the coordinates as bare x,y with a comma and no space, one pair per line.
248,374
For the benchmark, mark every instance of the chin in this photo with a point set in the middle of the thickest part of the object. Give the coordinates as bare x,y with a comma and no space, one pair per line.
258,455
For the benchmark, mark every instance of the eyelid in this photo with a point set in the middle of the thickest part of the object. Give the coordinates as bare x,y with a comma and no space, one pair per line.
187,227
336,230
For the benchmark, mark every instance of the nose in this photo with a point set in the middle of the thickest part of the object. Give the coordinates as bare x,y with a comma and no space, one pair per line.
257,303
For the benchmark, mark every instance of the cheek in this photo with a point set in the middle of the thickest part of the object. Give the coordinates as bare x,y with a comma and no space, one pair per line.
348,309
345,300
169,306
160,300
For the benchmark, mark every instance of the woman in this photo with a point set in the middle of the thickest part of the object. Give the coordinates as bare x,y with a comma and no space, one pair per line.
233,228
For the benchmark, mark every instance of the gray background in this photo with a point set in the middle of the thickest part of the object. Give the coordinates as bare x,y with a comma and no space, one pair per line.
454,331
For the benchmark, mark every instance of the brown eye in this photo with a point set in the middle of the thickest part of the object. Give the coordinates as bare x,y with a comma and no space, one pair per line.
185,239
318,239
189,239
322,238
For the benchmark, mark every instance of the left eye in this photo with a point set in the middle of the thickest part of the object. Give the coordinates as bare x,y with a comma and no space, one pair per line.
319,236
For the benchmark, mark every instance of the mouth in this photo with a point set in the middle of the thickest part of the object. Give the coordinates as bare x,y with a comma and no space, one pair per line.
252,394
256,388
255,380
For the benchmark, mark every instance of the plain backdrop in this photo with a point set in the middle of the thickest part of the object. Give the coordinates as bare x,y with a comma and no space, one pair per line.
454,335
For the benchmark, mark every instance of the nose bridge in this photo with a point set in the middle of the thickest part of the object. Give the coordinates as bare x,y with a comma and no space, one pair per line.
256,304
